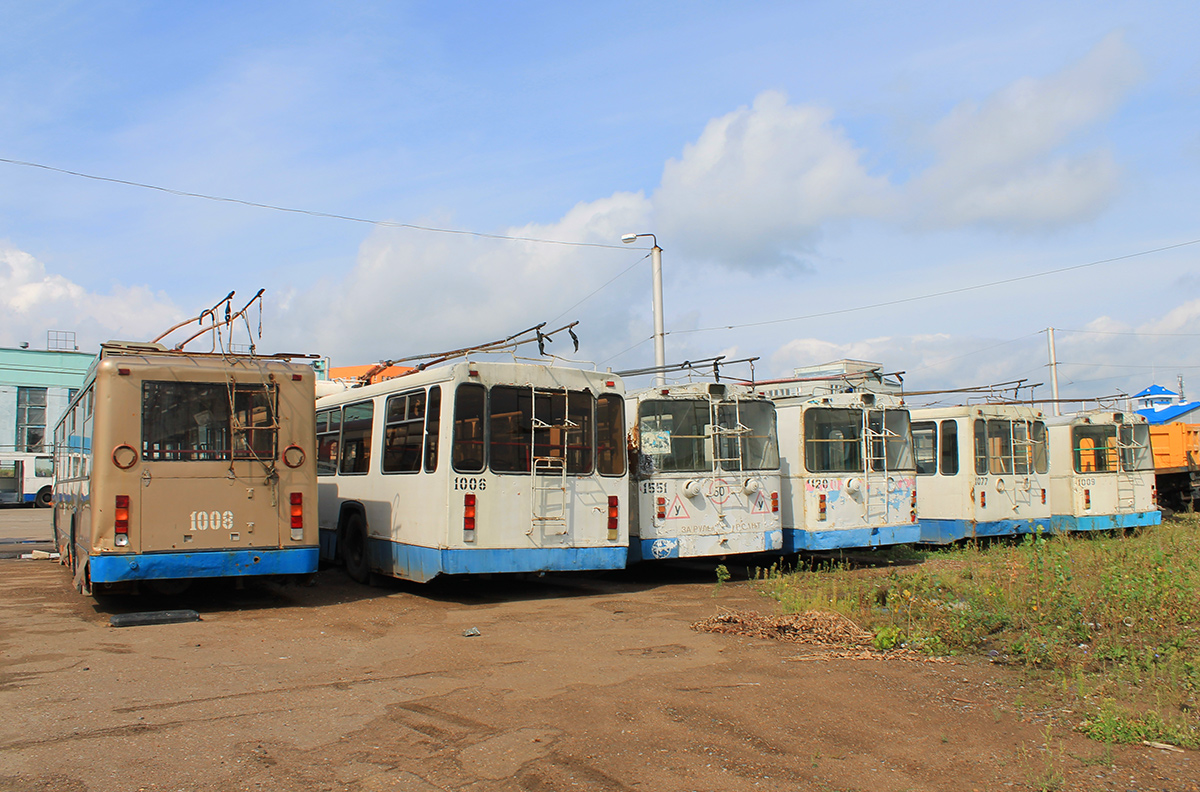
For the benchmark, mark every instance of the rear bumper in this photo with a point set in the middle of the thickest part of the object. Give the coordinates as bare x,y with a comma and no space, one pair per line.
1104,522
948,531
694,546
795,540
113,568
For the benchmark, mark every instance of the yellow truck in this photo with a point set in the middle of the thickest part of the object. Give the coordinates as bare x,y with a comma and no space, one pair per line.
1176,464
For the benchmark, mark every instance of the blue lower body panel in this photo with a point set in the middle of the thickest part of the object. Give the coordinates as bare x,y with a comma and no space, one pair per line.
1104,522
413,562
948,531
705,545
113,568
796,540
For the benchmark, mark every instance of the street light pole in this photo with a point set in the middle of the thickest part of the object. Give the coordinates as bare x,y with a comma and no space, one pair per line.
660,348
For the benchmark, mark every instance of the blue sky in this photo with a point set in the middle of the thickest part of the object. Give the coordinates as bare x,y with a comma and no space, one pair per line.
793,159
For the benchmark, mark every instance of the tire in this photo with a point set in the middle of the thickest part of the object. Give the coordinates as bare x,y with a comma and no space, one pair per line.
44,498
354,548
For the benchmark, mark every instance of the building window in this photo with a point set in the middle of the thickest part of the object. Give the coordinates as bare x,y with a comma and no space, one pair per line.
31,419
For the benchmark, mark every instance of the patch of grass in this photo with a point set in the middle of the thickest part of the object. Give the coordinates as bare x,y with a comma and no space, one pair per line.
1112,621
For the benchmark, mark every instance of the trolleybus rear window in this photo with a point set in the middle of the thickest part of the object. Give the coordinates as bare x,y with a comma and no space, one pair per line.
558,424
949,455
470,402
752,441
832,440
610,434
1135,447
205,421
674,434
1004,447
891,448
1095,448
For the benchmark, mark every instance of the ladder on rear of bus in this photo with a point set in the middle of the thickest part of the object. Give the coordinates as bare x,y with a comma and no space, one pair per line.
875,500
1126,479
727,439
548,474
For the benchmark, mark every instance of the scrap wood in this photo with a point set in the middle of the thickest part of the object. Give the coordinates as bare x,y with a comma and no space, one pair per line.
811,627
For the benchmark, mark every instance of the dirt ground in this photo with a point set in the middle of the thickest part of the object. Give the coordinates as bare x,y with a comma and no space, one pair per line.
589,682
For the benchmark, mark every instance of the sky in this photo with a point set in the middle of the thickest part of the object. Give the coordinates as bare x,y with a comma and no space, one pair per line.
928,186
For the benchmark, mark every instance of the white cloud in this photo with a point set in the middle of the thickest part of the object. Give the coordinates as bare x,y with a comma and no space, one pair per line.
997,162
33,301
760,182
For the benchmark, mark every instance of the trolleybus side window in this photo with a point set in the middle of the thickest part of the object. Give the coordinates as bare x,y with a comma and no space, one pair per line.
433,421
467,453
949,455
329,424
404,432
924,435
356,438
610,434
1094,448
759,445
832,440
674,434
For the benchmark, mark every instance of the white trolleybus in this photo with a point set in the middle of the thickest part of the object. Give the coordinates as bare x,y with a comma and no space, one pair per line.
1101,472
706,480
26,478
982,470
474,467
847,463
178,465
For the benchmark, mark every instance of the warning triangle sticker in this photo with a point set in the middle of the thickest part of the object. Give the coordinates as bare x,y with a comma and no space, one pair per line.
760,504
677,511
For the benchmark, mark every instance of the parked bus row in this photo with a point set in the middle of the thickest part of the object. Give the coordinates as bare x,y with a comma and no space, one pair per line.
175,465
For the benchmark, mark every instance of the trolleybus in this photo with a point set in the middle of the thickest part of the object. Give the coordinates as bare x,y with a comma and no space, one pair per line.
848,472
178,465
26,478
706,479
1101,472
474,467
982,470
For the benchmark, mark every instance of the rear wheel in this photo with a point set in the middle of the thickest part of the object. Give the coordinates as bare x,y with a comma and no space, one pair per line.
44,497
354,548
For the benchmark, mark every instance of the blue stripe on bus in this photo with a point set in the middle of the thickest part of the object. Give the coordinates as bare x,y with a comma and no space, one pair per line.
658,549
795,540
1104,522
413,562
112,568
948,531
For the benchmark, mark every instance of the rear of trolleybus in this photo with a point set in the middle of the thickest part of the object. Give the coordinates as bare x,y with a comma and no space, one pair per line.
707,475
474,468
1101,472
848,472
982,470
197,466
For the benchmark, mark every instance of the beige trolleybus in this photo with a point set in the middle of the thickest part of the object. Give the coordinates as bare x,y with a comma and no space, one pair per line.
474,467
1101,472
177,465
707,476
982,470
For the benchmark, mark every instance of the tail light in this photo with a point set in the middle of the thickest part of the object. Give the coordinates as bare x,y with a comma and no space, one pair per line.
661,508
1043,497
1087,499
912,500
297,501
821,506
121,520
1153,495
982,499
614,511
774,503
469,517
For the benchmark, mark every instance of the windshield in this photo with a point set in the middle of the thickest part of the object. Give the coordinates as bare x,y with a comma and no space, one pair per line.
755,442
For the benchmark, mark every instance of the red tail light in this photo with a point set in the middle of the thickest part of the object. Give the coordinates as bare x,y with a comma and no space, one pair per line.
774,502
1087,499
297,510
821,506
1154,495
121,524
912,500
661,509
614,511
469,516
982,499
1043,497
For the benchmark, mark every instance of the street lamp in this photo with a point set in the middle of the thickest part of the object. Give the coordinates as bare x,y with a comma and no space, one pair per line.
660,353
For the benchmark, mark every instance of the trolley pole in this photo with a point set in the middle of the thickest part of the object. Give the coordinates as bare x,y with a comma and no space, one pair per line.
660,349
1053,371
